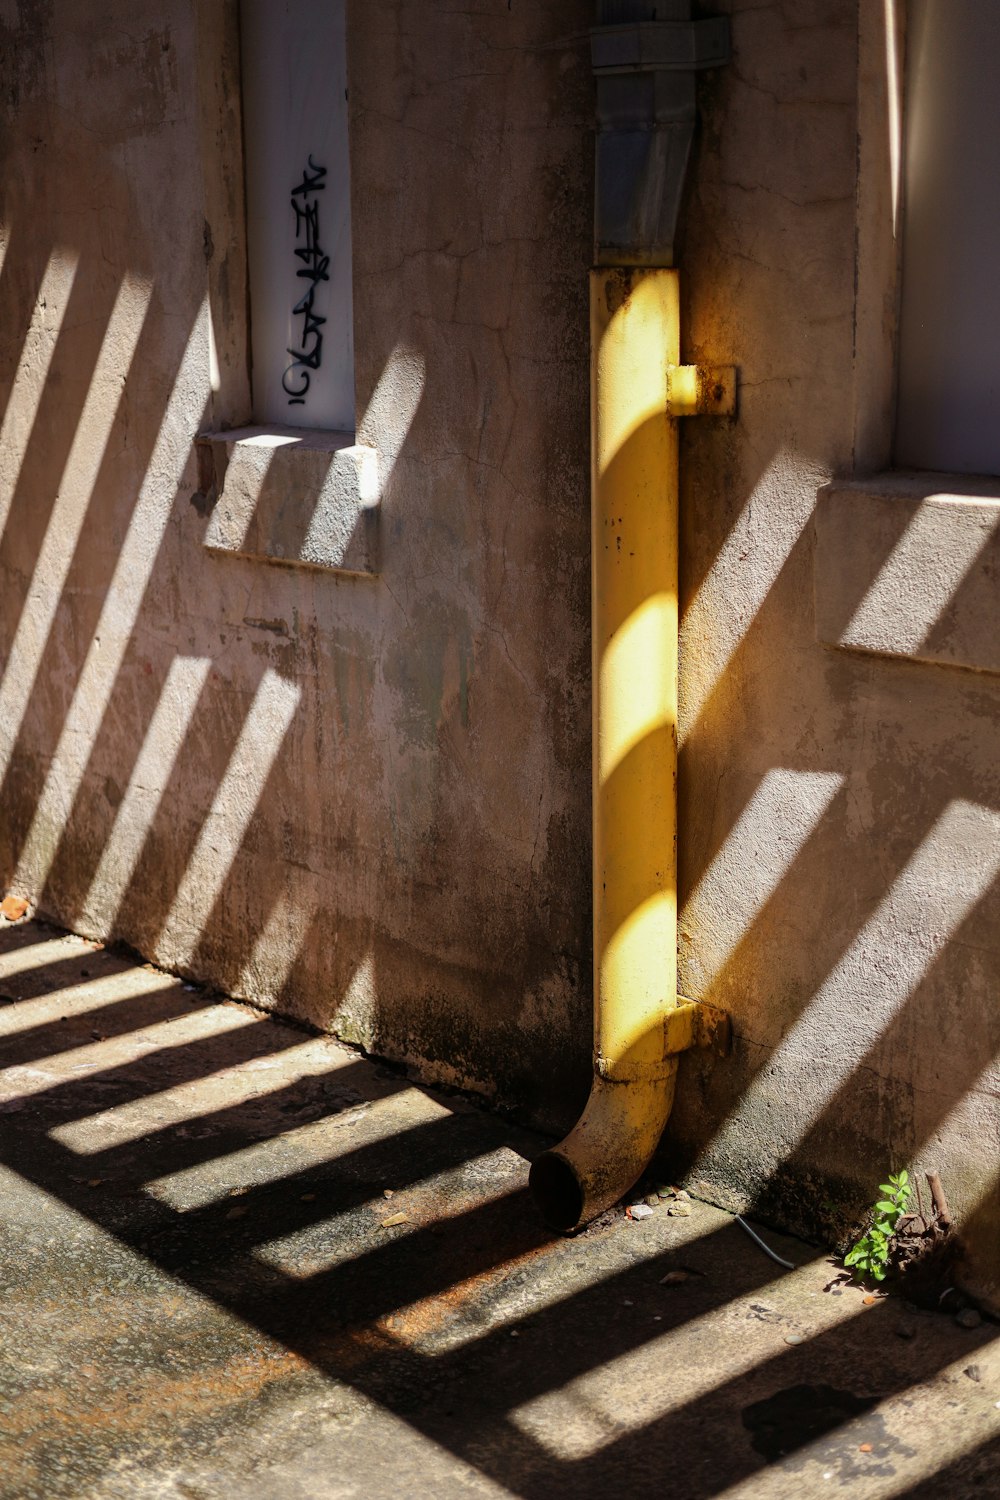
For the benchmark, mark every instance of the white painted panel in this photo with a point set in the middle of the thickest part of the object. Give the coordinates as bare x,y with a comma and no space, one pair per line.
949,381
295,112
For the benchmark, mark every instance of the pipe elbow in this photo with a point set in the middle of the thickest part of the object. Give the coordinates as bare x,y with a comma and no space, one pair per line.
606,1152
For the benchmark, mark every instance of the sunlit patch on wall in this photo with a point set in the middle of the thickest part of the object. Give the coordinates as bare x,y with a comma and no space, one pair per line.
745,569
946,877
922,573
268,720
393,406
761,846
281,939
162,744
33,368
119,613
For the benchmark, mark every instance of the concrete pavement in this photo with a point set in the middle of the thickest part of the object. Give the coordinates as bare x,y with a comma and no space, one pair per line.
239,1259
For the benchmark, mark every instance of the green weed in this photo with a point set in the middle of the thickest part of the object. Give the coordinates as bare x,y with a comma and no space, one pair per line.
870,1255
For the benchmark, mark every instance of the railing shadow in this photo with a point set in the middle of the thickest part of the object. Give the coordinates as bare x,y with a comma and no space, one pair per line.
153,1149
76,751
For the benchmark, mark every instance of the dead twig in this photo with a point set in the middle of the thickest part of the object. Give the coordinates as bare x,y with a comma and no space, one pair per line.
924,1247
940,1201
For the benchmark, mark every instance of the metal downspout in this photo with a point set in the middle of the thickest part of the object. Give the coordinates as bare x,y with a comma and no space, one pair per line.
645,77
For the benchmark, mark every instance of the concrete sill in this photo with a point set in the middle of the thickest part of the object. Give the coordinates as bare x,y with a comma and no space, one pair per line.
292,496
908,565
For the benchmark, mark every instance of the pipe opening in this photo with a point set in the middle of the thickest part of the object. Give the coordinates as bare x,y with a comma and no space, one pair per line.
557,1191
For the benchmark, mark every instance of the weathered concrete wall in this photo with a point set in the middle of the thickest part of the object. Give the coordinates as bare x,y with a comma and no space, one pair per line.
365,800
840,812
362,800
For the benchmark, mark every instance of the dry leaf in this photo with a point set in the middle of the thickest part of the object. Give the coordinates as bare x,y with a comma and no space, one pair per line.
393,1220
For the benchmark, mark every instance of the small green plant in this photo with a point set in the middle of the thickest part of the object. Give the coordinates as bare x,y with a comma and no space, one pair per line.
870,1256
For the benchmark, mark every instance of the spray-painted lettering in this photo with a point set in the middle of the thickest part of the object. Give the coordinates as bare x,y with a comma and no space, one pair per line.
314,269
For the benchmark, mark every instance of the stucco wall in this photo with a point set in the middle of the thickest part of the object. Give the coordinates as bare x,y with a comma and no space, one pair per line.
366,800
363,800
840,811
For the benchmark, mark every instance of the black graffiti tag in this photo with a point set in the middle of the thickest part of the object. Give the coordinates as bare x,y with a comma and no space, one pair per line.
315,268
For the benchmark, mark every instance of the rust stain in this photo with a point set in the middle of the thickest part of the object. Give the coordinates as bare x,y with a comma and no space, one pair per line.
409,1325
352,1349
151,1396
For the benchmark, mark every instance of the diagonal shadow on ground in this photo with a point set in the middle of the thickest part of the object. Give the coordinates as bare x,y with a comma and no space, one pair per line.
542,1365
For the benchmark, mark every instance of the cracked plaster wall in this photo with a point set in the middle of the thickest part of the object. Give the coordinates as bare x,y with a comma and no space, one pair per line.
364,801
840,813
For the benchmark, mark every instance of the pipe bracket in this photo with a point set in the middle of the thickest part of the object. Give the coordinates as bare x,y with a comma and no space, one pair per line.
693,1023
701,390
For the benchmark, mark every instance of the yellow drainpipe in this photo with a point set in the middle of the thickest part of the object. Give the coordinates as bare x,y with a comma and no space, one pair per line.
638,391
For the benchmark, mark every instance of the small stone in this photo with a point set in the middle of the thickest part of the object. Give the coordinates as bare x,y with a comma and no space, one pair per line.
653,1200
640,1211
308,1198
13,908
679,1210
906,1328
795,1338
663,1191
974,1372
682,1196
627,1303
393,1220
968,1318
864,1447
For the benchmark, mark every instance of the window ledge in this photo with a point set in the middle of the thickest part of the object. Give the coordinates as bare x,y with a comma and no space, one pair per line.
908,565
291,495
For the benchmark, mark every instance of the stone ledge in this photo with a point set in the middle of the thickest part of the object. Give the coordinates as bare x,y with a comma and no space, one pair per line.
292,496
908,565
